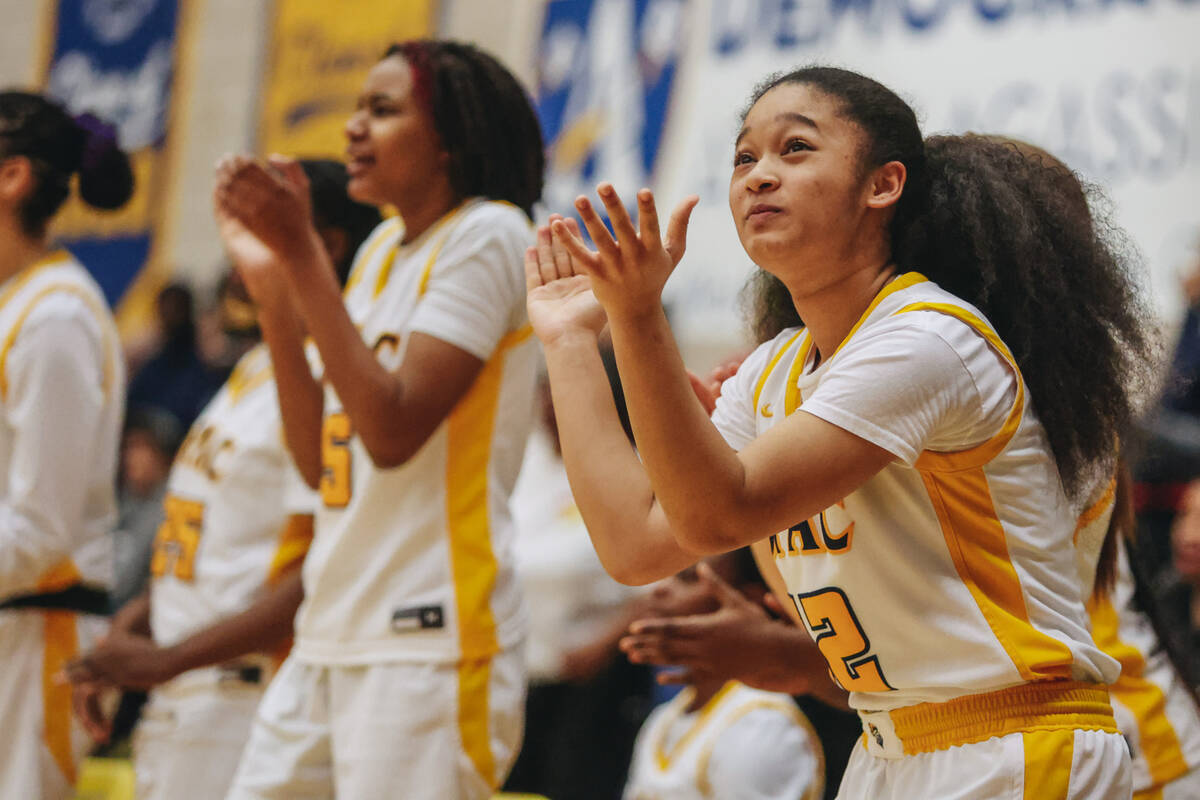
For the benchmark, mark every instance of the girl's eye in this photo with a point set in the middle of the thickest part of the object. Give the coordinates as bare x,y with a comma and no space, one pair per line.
796,146
742,158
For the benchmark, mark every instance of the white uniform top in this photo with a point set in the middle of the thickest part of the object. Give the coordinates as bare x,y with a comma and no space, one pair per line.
743,744
951,571
62,398
1153,706
237,511
571,599
415,563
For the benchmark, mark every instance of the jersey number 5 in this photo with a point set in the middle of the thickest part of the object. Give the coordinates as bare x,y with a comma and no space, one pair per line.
842,640
178,538
335,460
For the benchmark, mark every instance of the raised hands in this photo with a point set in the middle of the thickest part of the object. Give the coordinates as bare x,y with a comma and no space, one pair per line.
559,297
264,216
629,271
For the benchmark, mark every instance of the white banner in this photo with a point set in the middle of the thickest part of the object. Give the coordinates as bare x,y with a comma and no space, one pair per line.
1112,88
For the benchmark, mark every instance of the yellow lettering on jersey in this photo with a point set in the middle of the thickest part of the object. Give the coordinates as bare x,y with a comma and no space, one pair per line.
766,410
385,347
178,539
841,640
201,449
336,433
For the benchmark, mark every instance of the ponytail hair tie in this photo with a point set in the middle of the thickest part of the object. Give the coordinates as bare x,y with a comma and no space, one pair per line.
100,140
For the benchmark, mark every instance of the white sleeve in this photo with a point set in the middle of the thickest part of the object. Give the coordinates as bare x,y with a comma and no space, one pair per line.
298,497
763,755
476,292
735,415
55,400
919,381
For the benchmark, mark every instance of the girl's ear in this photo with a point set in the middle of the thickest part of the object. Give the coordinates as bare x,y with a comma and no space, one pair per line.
886,185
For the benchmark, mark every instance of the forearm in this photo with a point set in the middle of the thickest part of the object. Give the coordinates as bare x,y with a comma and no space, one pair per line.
134,616
608,481
695,475
371,395
301,399
257,629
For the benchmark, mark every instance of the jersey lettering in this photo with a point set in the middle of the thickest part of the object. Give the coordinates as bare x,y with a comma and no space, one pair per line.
842,640
178,539
813,535
336,458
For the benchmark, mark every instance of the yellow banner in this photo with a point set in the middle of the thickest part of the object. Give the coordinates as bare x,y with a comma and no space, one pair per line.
320,53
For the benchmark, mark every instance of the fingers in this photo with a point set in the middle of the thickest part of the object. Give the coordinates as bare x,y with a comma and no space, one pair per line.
291,171
617,215
595,227
648,220
726,595
533,275
563,263
545,256
86,703
586,261
677,227
703,392
679,676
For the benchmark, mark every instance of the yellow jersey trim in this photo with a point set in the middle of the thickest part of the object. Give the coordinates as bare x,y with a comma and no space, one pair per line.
61,645
10,340
903,282
663,757
1048,759
762,379
1097,509
385,231
981,454
978,545
1159,742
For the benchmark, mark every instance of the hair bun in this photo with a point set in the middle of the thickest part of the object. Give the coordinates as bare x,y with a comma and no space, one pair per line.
105,176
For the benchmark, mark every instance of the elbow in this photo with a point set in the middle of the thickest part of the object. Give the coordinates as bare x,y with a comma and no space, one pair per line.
706,537
390,453
632,574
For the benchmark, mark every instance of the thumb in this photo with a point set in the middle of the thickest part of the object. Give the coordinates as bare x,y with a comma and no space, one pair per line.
676,241
726,595
291,171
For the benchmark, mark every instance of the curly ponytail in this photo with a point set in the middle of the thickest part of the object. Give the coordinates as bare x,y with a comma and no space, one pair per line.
1009,230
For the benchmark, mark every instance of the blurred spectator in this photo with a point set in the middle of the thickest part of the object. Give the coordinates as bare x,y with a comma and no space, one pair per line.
1178,586
175,378
148,445
721,738
585,702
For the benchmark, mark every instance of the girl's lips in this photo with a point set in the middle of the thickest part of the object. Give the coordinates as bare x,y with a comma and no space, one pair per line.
358,164
762,211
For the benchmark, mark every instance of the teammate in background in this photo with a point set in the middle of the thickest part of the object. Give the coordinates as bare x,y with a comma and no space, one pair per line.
61,399
226,566
927,511
719,738
406,678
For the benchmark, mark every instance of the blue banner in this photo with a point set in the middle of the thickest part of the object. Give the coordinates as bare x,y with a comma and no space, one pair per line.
605,73
117,59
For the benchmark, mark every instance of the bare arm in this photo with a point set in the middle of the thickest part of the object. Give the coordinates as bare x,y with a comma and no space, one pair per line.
716,499
301,398
394,413
628,529
134,661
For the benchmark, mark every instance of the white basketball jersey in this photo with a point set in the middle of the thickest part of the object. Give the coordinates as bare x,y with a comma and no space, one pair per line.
58,440
1153,707
947,573
743,744
237,511
415,563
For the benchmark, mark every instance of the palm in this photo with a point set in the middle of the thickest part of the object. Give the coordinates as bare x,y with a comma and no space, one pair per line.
563,304
257,263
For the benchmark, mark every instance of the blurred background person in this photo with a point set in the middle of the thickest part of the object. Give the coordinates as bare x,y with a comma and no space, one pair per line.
61,401
217,617
585,702
720,738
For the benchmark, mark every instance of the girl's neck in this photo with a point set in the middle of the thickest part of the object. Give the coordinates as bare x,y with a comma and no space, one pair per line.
705,691
18,250
830,311
435,204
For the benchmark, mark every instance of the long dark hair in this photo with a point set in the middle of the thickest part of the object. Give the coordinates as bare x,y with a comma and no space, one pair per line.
483,117
1004,232
59,146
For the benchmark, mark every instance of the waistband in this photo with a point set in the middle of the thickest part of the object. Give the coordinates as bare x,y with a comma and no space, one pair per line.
1045,705
81,598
